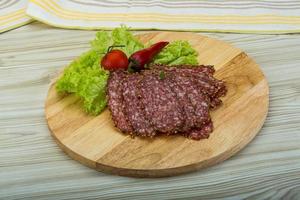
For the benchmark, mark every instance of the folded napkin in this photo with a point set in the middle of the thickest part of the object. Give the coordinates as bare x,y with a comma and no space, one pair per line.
13,14
251,16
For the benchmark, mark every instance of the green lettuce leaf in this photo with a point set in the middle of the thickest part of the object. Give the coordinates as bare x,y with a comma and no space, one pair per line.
177,53
85,78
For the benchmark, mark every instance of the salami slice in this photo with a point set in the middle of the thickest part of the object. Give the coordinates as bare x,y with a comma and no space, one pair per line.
134,107
197,100
160,102
202,132
115,101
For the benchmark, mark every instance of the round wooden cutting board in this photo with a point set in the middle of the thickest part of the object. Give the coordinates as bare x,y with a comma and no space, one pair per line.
95,142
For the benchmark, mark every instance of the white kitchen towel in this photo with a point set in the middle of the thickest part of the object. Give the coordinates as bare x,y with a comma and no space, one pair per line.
13,14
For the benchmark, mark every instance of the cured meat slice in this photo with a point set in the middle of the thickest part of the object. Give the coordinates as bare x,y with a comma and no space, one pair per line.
203,79
199,112
187,108
201,133
207,69
207,84
134,108
160,102
210,86
115,101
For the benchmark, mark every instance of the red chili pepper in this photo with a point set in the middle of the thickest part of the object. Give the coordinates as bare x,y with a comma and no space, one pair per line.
139,59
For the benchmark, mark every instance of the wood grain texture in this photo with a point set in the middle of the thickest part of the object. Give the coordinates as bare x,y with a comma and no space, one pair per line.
32,166
95,142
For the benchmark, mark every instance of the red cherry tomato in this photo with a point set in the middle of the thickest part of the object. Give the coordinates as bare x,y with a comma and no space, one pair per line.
114,59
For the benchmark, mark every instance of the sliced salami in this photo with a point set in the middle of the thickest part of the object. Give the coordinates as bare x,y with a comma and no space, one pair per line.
161,104
165,100
134,108
116,101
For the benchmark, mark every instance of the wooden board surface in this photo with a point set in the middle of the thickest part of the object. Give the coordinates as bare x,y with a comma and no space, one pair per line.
95,142
34,167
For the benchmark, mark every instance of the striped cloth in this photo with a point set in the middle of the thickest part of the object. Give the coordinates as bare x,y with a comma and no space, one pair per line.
249,16
13,14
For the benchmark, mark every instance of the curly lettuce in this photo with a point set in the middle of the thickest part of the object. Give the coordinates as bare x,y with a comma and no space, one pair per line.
85,78
177,53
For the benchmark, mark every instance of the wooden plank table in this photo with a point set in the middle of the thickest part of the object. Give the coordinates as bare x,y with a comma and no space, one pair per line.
33,166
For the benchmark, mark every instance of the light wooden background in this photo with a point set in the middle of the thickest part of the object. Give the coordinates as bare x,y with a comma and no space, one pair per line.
33,166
